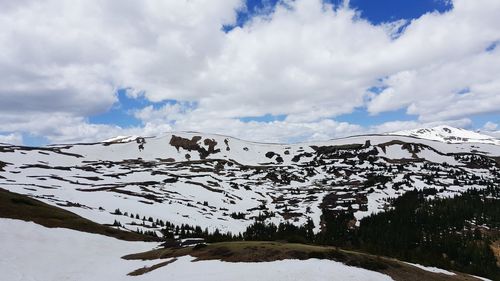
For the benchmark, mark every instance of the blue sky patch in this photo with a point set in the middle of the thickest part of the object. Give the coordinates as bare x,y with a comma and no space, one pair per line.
377,12
480,119
253,8
264,118
121,113
377,89
492,46
381,11
33,140
463,91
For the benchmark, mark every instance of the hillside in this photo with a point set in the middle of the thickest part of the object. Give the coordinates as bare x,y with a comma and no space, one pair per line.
20,207
221,182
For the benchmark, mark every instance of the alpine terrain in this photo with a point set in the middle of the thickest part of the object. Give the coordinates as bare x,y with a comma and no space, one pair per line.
194,185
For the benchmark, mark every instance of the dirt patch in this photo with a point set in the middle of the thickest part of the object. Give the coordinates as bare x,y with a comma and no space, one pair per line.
147,269
193,145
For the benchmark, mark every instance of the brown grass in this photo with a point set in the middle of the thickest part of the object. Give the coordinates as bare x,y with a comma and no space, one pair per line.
258,251
495,247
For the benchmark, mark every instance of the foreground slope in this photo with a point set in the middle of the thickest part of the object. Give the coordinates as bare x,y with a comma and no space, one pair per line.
33,252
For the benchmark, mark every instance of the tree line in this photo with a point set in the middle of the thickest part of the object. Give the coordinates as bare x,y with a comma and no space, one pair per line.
451,233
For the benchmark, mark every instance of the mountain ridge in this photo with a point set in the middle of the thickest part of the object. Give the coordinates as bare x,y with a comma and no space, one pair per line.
449,134
205,179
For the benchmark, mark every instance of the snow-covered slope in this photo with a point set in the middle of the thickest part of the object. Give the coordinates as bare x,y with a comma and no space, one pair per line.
449,135
33,252
216,181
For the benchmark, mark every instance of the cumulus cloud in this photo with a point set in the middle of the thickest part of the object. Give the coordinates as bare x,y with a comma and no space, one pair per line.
61,62
276,131
11,138
456,74
182,117
444,91
491,128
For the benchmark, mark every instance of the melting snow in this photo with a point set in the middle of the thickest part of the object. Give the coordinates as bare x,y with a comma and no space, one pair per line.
33,252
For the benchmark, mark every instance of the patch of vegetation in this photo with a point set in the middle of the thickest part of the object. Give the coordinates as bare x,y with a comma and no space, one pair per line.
253,251
266,251
285,231
238,216
451,233
374,179
21,207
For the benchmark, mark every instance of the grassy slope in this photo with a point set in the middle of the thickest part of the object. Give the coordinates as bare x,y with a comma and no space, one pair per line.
21,207
495,247
256,251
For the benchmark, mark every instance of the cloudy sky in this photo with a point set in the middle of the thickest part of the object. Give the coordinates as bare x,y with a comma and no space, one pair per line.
265,70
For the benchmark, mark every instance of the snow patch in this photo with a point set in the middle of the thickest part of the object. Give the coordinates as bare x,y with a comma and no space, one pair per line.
432,269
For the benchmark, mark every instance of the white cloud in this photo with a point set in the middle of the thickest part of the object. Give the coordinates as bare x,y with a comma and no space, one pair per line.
166,114
276,131
446,90
11,138
61,62
451,50
490,126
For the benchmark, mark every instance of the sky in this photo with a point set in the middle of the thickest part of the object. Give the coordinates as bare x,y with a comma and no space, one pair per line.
261,70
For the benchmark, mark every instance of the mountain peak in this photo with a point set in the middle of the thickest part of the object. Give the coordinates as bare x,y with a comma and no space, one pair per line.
121,139
449,134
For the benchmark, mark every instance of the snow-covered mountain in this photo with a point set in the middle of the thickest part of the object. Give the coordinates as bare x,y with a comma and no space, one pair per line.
449,135
221,182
